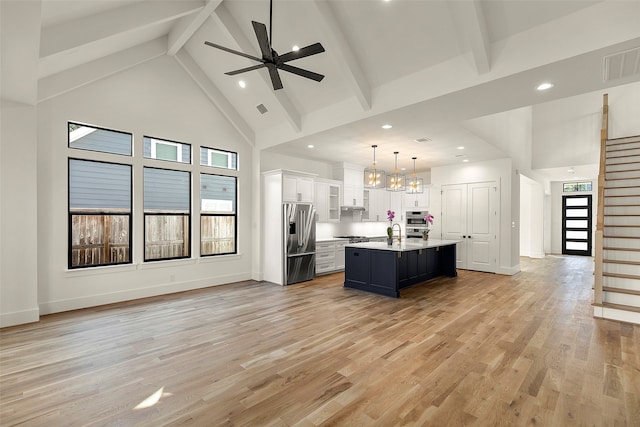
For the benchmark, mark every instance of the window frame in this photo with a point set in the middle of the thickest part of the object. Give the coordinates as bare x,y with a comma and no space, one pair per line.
69,122
575,185
187,237
84,212
228,153
220,214
155,140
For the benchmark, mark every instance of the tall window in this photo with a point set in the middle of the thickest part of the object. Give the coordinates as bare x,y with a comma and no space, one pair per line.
99,213
163,149
167,214
218,230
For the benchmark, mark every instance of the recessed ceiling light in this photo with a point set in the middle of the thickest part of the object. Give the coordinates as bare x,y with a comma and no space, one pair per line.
460,147
310,146
465,160
386,126
423,139
295,48
242,84
544,86
403,169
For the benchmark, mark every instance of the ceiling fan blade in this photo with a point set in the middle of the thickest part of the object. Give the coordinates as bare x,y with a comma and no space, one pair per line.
235,52
244,70
312,49
275,77
303,73
263,40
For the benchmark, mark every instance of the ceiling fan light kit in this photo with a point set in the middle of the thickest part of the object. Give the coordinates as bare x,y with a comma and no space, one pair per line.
374,177
270,58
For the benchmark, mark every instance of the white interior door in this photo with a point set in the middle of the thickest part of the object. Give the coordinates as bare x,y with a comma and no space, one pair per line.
481,226
454,219
469,214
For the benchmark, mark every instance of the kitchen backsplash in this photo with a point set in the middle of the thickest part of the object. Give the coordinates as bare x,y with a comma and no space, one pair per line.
326,230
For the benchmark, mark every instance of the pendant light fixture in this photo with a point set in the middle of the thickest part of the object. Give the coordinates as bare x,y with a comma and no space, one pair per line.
414,186
374,177
396,182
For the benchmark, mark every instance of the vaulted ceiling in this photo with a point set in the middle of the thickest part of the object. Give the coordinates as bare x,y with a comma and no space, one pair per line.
427,67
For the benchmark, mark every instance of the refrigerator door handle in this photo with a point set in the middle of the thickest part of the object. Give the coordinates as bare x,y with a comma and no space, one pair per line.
301,228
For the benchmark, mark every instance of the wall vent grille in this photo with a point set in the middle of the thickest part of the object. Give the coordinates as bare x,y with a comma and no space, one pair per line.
262,108
622,64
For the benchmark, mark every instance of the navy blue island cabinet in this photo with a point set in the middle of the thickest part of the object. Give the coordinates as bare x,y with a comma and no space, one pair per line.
382,269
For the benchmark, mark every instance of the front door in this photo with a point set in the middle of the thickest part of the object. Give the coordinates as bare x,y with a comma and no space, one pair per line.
576,225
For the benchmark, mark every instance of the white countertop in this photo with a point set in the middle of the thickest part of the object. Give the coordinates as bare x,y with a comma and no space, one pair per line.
405,245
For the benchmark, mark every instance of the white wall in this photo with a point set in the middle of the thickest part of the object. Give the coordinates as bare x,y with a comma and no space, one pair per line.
504,174
18,220
158,99
571,128
531,218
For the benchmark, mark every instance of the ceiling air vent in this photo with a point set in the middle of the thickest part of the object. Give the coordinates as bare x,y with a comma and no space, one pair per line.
421,140
262,108
622,64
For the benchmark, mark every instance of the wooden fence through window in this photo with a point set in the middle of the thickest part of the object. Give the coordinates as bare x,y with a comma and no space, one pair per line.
99,239
103,239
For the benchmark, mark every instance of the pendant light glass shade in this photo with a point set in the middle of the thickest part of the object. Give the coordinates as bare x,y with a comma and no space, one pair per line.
415,184
374,177
396,181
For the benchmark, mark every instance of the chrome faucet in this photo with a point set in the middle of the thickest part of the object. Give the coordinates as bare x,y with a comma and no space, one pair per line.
399,231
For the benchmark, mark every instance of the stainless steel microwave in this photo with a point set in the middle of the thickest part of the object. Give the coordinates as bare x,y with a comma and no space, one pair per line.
415,219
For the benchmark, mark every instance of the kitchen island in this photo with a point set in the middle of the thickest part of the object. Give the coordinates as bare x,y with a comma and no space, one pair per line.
382,269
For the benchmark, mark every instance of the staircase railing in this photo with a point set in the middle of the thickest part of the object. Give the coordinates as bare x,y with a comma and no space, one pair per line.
599,241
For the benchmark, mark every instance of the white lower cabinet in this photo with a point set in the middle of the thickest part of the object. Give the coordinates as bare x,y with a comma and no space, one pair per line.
340,255
330,256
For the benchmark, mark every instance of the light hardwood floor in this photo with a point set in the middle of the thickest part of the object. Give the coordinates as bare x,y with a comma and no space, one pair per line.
479,349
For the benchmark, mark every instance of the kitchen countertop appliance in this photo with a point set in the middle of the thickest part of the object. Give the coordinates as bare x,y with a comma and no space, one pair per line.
300,242
415,223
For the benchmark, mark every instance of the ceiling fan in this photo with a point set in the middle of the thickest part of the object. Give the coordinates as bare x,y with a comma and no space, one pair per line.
270,58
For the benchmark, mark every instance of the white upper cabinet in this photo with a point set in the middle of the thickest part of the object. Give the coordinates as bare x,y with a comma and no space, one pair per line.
328,199
297,188
352,177
413,201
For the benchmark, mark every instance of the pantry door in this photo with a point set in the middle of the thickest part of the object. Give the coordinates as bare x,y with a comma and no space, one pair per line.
482,219
469,214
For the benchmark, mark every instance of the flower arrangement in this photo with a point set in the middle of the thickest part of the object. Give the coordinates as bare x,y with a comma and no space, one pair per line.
428,218
390,215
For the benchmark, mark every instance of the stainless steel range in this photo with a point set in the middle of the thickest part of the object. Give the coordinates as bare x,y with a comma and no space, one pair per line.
354,239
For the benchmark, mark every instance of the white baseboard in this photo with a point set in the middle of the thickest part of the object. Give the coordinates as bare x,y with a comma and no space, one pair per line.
19,317
163,289
615,314
509,271
536,255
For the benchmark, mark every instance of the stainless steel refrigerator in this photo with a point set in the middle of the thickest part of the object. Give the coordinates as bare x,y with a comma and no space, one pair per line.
300,242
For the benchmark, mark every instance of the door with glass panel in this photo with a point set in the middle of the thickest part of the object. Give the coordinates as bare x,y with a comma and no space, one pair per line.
576,225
